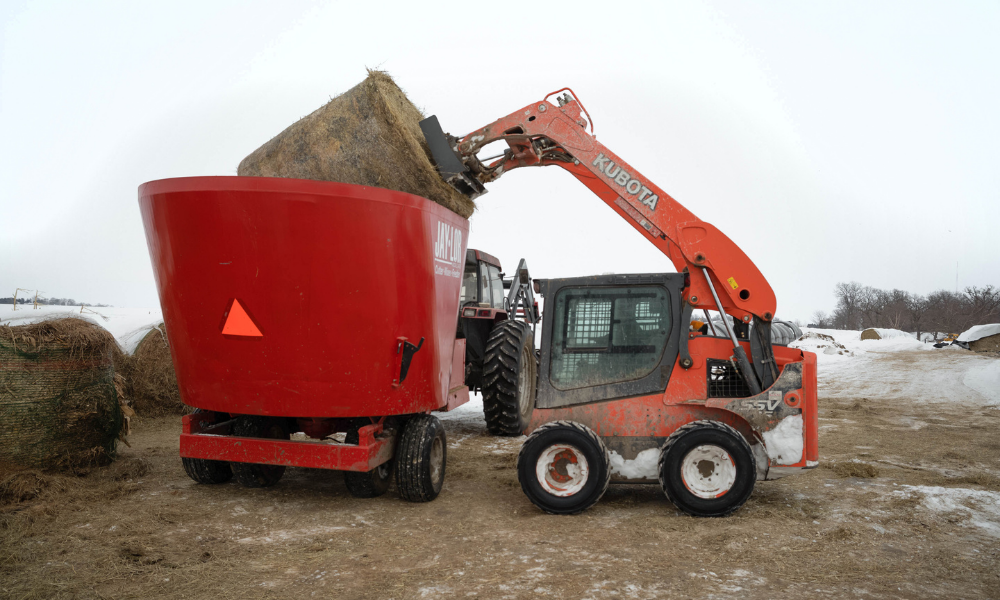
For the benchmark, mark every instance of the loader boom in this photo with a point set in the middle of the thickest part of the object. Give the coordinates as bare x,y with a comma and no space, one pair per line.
722,276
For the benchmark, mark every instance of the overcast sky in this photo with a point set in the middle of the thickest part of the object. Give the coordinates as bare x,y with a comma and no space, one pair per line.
832,141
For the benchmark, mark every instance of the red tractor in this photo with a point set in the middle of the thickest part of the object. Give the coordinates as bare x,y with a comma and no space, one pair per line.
500,356
624,389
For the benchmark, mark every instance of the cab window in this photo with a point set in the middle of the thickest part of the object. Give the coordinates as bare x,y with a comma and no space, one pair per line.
496,284
470,284
607,335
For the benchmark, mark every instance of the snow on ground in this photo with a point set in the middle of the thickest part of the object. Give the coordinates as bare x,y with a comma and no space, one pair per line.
981,508
885,369
470,413
128,325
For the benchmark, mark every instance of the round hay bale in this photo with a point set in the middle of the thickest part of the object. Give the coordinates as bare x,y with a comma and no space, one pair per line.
58,402
369,135
152,383
870,334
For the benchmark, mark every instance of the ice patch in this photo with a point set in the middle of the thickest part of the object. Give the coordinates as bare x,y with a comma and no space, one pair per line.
643,466
784,442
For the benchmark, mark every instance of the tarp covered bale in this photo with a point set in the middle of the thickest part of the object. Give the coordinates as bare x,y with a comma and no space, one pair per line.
59,406
369,135
990,343
151,381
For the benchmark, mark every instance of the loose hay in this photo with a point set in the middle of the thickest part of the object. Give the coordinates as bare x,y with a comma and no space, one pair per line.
369,135
150,379
855,469
58,402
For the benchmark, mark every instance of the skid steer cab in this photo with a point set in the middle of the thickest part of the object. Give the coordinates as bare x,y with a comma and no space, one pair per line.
497,319
626,392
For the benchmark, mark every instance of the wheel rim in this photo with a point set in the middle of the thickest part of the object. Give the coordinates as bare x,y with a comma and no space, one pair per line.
437,461
523,395
382,471
562,470
708,471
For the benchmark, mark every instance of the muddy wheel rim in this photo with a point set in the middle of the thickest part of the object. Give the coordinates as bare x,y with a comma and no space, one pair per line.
523,391
437,462
562,470
708,471
382,471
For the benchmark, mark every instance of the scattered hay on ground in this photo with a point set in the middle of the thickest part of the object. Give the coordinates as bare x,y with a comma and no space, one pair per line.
369,135
855,469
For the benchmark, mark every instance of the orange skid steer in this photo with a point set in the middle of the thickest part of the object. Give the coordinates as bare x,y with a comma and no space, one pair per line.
624,391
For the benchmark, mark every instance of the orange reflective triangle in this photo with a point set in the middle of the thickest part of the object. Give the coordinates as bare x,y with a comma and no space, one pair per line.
239,322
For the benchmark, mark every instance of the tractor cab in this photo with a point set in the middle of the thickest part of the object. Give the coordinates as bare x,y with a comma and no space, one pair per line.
480,308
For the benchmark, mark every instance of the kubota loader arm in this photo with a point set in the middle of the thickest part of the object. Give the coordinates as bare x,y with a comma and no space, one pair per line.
722,277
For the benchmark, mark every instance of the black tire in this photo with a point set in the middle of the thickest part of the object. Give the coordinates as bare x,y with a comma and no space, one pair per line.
370,484
421,456
554,438
207,471
254,475
509,373
702,437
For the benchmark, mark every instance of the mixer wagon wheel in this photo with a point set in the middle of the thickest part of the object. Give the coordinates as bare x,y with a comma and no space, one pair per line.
509,372
563,468
250,474
420,459
207,471
707,469
370,484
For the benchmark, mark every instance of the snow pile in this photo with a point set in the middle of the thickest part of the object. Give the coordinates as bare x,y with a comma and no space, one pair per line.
979,332
886,334
981,508
835,345
127,325
784,442
985,379
643,466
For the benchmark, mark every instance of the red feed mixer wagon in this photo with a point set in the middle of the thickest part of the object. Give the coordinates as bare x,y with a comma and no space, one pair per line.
298,309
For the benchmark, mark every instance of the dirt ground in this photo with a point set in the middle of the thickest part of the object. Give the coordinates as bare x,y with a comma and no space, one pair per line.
906,505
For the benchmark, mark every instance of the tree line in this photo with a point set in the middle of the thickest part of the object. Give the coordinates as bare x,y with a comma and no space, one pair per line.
48,301
862,306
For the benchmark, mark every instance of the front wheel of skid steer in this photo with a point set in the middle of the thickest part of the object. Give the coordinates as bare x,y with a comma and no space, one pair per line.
707,469
421,454
254,475
563,468
370,484
509,373
207,471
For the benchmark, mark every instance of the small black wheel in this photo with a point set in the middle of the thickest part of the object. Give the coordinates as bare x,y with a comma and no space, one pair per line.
563,468
421,455
707,469
254,475
370,484
207,471
509,373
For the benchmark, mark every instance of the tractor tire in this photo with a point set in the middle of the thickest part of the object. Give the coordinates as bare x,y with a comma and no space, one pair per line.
207,471
563,468
370,484
421,455
509,374
707,469
253,475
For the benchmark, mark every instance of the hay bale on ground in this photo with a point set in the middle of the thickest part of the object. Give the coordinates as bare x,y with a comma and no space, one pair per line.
870,334
151,381
369,135
59,405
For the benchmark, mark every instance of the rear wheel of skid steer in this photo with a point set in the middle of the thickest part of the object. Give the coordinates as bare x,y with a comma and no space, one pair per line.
250,474
207,471
421,455
370,484
509,372
707,469
563,468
